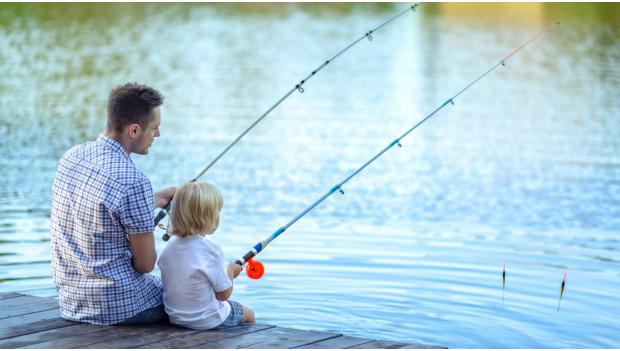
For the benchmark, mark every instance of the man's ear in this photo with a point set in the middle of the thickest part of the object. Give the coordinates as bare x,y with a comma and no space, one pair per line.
133,130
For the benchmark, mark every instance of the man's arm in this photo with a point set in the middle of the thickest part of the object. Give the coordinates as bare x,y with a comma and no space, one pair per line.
143,249
136,215
164,196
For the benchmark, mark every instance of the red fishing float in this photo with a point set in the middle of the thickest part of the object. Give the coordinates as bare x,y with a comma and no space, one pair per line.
503,281
562,290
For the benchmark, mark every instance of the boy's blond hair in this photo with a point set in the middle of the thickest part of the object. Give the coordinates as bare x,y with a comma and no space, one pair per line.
195,209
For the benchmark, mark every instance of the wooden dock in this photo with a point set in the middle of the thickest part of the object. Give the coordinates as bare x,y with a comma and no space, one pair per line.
34,322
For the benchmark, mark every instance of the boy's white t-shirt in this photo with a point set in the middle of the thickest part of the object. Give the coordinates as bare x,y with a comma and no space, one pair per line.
192,270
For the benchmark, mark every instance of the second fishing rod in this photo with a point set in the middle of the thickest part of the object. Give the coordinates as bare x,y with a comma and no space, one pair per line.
255,269
298,87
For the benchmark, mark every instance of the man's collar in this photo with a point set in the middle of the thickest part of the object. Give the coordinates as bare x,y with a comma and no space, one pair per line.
113,144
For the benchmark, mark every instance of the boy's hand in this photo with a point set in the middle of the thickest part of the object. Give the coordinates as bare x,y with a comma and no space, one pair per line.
233,270
164,196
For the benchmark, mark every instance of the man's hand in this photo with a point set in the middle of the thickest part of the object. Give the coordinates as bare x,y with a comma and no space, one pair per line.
233,270
164,196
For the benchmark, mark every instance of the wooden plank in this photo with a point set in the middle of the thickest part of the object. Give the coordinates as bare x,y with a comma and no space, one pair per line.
34,322
43,325
22,301
422,346
133,341
203,336
104,334
380,344
293,340
32,307
9,295
29,318
245,340
47,335
340,342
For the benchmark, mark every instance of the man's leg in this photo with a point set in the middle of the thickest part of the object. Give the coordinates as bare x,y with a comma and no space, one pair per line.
155,314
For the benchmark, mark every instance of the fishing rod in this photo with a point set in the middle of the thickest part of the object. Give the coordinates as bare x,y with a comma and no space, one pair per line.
299,87
255,269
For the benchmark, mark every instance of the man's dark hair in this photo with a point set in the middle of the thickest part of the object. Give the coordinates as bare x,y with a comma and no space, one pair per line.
131,103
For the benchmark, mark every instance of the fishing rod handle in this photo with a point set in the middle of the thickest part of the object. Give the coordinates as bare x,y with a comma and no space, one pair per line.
162,213
253,252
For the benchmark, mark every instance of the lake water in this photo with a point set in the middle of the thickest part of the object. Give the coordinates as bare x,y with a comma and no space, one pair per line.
524,170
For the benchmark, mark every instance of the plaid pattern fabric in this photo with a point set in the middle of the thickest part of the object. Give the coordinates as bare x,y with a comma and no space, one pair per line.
98,198
235,317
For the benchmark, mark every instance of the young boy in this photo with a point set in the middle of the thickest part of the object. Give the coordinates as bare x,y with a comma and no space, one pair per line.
196,284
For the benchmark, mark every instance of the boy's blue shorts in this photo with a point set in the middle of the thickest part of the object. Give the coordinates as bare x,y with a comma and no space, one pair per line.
235,317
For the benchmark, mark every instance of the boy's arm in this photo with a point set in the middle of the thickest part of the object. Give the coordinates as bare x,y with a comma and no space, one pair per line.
232,270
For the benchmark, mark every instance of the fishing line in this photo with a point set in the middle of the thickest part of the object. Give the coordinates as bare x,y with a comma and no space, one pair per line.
255,269
298,87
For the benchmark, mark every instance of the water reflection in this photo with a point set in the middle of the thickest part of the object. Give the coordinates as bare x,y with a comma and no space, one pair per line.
524,170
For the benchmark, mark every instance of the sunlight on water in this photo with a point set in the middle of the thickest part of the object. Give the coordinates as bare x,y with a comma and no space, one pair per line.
524,170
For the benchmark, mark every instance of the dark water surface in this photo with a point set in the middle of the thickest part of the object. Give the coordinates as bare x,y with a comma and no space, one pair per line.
523,170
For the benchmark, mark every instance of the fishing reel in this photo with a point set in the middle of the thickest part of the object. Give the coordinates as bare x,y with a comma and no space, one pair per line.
254,269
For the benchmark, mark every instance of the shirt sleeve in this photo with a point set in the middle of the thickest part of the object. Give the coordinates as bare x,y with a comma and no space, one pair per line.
137,208
217,277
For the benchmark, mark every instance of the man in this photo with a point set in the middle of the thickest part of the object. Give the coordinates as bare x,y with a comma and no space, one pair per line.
102,222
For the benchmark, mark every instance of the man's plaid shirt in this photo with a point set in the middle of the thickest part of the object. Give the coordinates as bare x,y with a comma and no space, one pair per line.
98,198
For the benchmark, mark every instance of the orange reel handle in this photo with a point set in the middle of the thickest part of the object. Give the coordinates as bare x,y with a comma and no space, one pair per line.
254,269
